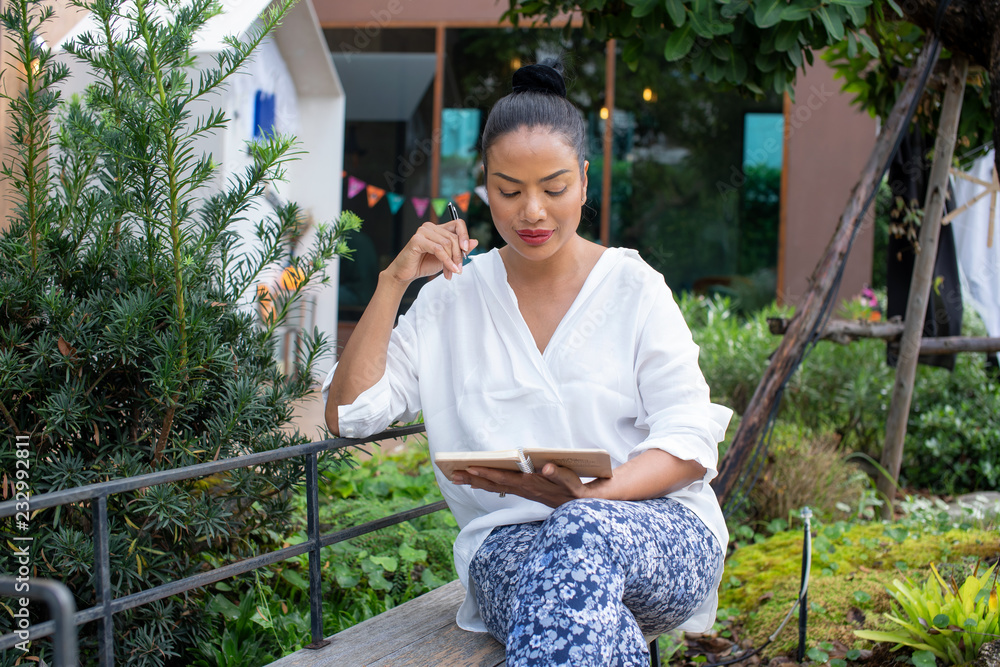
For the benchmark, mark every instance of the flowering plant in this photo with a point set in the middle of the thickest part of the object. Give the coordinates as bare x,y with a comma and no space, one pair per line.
864,307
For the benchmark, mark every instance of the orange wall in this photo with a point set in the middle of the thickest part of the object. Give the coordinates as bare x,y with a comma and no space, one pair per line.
828,143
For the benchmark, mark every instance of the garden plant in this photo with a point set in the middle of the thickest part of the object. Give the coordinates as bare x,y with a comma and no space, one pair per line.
130,341
129,337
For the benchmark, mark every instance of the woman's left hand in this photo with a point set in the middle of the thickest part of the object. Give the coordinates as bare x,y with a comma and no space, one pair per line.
553,485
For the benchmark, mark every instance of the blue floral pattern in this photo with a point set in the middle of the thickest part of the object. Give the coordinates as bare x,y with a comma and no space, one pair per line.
582,587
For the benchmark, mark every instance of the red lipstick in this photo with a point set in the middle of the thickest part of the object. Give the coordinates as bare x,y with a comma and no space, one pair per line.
535,236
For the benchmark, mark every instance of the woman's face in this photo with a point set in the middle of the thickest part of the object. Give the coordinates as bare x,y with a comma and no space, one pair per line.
536,191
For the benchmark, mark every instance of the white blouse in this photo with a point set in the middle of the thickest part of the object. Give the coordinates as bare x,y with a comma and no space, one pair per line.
619,373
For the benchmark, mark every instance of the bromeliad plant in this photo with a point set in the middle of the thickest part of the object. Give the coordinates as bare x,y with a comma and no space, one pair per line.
949,620
129,341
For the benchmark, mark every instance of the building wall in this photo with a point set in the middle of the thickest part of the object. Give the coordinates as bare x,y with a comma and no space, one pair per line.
377,14
64,18
827,145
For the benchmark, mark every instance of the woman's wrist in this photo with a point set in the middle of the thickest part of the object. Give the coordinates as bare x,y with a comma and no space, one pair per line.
389,283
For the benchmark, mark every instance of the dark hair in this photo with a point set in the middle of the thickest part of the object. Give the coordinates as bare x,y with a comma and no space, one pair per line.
537,99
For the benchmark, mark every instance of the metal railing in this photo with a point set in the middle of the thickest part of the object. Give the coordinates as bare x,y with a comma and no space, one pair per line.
61,607
108,605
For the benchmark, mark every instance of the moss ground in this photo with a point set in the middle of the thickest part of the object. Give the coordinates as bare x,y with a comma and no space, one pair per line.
850,568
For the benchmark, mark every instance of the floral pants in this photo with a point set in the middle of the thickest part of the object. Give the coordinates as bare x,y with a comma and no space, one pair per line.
581,587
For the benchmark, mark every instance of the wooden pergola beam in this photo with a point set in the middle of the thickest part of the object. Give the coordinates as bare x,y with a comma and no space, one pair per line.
848,331
920,283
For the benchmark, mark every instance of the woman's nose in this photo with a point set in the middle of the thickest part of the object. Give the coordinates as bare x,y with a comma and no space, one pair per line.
534,210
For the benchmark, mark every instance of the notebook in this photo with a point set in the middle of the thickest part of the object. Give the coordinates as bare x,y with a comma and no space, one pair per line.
584,462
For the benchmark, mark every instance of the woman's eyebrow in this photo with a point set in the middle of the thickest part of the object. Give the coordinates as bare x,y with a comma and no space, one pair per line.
540,180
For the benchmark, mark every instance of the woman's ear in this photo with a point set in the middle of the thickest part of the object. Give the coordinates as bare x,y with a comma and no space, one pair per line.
583,196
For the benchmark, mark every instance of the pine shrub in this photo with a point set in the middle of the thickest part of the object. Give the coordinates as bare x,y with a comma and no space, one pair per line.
128,341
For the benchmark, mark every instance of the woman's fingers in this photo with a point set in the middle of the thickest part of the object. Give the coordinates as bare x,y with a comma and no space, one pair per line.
435,248
431,249
553,485
458,227
445,245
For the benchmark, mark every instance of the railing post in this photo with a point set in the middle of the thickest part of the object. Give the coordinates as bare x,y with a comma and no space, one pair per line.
804,595
61,609
312,528
102,582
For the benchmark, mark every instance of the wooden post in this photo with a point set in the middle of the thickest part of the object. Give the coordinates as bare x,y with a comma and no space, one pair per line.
923,277
609,133
786,358
439,50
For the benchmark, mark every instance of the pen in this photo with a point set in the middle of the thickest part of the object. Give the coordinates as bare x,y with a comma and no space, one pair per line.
453,212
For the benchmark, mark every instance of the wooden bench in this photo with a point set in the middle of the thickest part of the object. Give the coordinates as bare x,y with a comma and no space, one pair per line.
419,633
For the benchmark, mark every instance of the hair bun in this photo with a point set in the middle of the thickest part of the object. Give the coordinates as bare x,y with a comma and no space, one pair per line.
539,78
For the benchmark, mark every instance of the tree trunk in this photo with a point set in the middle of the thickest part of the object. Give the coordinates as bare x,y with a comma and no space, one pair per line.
786,359
973,28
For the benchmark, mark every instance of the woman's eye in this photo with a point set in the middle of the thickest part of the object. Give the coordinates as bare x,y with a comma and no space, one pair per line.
508,194
556,194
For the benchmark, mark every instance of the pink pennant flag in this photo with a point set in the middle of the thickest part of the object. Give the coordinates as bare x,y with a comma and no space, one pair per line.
420,205
354,186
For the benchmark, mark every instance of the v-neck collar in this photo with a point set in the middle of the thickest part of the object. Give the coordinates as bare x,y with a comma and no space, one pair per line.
504,294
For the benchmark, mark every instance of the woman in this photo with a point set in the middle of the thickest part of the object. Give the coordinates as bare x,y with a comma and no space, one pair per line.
552,341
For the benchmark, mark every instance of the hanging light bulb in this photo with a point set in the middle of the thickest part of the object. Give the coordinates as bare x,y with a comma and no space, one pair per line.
604,113
647,94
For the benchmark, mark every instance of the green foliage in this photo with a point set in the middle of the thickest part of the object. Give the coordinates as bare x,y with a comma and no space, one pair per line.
361,577
239,642
129,342
870,76
852,564
946,619
844,390
950,447
751,46
394,564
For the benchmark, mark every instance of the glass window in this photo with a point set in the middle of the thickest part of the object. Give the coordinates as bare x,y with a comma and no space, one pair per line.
479,64
388,79
681,188
695,173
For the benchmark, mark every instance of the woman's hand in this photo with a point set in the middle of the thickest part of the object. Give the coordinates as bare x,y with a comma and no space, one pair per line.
432,249
553,485
652,474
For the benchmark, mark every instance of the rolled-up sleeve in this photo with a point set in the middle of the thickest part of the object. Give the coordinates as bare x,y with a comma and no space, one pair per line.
675,405
394,397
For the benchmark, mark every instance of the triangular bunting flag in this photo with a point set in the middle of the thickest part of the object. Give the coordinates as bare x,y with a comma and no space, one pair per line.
374,195
395,201
420,205
481,191
354,186
462,201
439,205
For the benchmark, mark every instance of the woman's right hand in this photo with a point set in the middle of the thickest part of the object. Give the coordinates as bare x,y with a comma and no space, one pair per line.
434,248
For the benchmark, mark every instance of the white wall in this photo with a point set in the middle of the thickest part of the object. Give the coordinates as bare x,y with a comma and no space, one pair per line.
318,188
